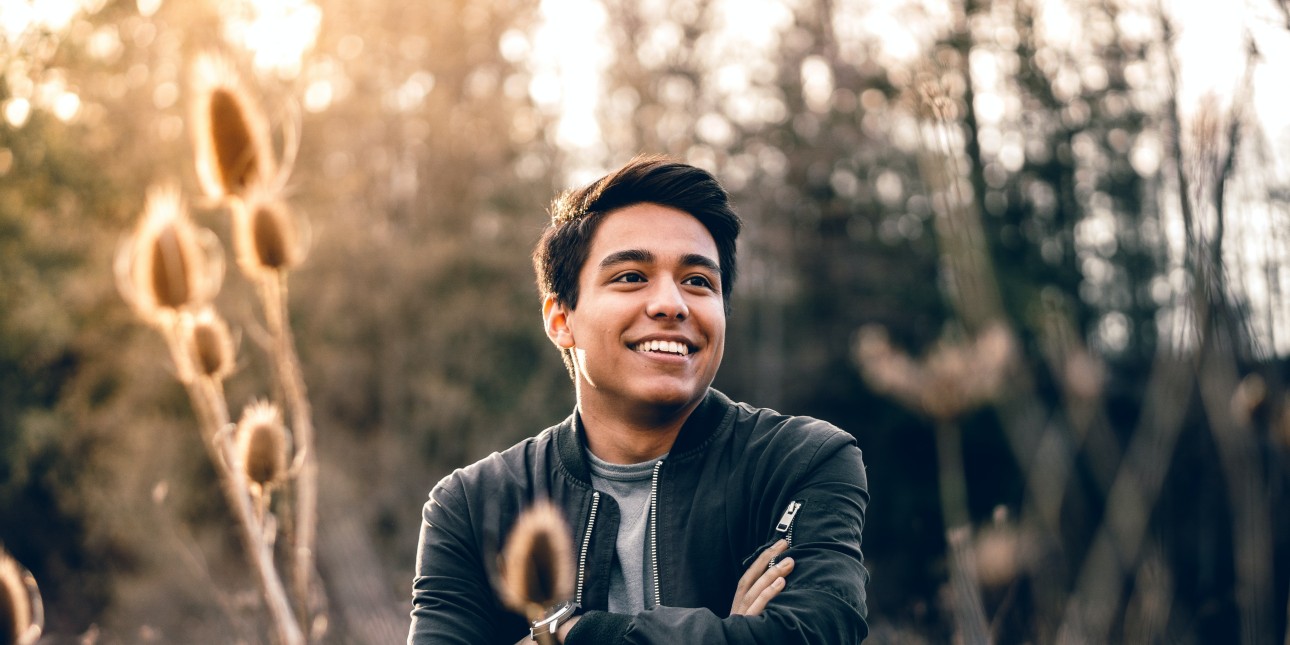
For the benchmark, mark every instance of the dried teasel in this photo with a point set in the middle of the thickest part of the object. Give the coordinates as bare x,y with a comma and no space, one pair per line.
262,445
230,132
951,380
1002,551
1248,398
537,562
266,235
21,611
884,367
168,264
208,346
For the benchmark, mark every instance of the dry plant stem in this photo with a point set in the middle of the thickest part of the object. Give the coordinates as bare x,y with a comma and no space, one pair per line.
1239,458
969,613
305,483
212,412
973,292
1117,544
200,570
1202,192
1146,615
973,288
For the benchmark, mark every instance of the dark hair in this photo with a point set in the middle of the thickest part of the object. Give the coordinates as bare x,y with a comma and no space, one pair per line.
655,179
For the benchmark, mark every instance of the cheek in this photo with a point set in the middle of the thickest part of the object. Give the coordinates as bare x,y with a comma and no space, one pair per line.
717,332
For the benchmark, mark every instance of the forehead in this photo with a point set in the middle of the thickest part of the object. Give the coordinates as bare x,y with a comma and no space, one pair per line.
661,230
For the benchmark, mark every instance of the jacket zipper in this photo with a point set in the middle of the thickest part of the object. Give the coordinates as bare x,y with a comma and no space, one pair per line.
653,532
785,525
586,541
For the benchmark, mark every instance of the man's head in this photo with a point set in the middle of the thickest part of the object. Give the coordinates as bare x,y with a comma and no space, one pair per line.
577,213
644,254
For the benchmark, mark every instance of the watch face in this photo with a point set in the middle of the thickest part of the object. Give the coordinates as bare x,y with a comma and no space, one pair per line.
563,611
553,620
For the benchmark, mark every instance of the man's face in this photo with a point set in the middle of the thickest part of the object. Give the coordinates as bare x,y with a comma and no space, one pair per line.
649,330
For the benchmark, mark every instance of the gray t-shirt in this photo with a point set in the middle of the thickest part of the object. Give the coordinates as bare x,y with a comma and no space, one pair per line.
631,580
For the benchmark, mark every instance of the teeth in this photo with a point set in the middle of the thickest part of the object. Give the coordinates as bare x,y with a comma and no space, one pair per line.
668,346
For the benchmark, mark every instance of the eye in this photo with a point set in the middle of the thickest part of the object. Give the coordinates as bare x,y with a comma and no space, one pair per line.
699,281
630,277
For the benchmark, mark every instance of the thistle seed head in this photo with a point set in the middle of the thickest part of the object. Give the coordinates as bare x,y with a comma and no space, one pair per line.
21,611
230,133
209,345
168,264
887,369
1003,551
171,267
952,379
266,234
537,562
262,444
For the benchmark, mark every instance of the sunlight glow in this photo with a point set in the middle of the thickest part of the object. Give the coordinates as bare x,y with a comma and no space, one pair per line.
569,57
21,17
17,111
817,83
277,32
148,7
66,106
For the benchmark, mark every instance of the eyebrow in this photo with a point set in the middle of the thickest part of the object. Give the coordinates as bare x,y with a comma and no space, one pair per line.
697,260
625,257
646,257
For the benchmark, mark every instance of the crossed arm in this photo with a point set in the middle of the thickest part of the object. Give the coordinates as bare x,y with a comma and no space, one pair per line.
758,586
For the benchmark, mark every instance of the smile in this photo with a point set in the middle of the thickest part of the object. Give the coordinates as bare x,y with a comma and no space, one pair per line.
662,347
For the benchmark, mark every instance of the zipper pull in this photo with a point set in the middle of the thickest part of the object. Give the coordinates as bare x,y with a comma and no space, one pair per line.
786,520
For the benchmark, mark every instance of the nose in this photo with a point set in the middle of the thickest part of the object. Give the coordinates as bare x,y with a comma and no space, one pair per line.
667,301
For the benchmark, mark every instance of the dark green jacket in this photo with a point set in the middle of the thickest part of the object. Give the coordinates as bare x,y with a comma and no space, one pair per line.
722,496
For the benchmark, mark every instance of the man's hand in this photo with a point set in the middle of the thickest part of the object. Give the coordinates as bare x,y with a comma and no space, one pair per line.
761,582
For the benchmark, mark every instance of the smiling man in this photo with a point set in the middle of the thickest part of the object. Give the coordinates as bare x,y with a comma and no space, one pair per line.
695,519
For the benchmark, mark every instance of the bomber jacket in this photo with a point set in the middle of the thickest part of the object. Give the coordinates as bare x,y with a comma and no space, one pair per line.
736,480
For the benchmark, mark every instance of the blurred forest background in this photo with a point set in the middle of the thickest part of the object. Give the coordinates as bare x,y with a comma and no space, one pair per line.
913,175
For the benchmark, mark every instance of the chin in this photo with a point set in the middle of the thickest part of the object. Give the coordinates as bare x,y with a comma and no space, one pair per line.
674,397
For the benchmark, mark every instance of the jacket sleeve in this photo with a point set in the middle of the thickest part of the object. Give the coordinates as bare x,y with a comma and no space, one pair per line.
452,598
824,600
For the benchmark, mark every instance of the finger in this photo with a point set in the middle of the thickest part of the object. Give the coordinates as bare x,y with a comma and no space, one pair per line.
759,565
759,603
755,571
770,578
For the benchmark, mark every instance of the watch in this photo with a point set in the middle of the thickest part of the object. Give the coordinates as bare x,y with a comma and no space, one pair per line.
550,625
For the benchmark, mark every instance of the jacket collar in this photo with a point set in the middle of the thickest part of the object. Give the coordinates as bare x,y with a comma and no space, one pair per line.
571,435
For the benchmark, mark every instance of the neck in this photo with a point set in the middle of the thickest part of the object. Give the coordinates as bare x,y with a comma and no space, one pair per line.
631,439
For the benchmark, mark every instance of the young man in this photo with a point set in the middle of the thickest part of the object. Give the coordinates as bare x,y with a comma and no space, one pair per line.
695,519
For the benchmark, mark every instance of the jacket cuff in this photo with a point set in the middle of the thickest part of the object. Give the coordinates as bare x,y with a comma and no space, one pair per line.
599,627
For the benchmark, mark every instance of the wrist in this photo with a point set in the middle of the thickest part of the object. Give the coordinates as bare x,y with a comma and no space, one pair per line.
556,623
563,631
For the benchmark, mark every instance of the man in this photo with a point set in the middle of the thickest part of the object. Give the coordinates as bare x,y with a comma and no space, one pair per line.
695,519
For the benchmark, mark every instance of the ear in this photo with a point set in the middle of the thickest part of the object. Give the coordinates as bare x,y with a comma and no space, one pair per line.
556,319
